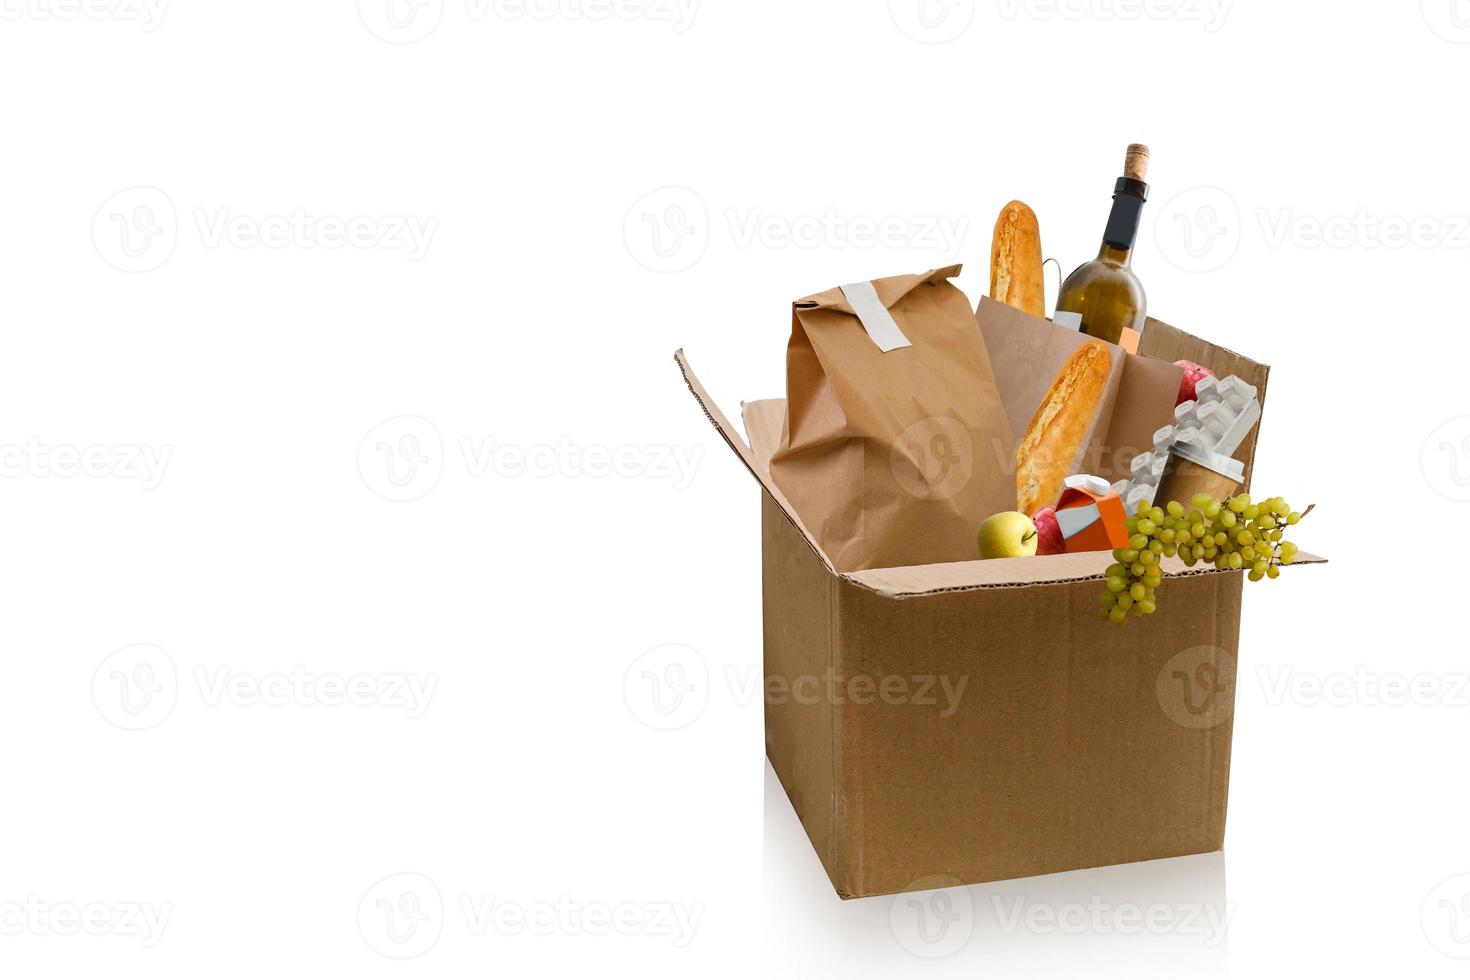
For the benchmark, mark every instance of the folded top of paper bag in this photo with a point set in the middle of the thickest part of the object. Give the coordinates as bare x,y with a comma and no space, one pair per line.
896,445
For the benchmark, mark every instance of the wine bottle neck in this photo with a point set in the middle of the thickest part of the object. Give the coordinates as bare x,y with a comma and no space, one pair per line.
1122,231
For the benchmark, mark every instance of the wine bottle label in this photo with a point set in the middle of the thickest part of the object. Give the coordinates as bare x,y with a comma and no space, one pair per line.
1065,318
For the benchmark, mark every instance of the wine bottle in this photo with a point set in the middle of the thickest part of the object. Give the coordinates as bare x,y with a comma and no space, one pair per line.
1103,298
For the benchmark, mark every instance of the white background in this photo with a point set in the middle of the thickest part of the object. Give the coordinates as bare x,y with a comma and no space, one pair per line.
176,288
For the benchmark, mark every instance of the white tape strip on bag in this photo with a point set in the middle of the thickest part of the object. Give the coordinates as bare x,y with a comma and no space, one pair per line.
876,319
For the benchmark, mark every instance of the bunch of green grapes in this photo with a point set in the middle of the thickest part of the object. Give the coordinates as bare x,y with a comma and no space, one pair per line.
1231,534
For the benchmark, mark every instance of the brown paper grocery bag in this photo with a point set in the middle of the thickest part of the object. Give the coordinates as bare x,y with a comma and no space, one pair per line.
893,456
1026,353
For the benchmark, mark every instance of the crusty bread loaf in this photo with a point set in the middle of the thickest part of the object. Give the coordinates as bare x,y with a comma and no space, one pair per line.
1054,439
1016,275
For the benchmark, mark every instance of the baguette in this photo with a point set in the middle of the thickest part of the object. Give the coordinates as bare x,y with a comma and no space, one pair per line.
1016,275
1048,451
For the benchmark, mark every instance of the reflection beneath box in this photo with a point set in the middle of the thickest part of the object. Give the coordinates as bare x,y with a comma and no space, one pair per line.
1165,918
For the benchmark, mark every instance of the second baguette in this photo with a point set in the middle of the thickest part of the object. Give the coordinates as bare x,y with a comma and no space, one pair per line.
1048,451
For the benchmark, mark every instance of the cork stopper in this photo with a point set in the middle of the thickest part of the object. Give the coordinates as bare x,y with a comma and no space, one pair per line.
1135,164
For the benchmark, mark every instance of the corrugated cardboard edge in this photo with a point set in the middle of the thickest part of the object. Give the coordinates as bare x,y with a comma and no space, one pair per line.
920,580
732,439
800,601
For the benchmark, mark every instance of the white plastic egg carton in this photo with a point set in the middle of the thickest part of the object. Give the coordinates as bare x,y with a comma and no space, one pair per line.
1218,420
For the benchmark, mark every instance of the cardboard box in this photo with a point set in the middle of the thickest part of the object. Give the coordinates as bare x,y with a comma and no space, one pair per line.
973,721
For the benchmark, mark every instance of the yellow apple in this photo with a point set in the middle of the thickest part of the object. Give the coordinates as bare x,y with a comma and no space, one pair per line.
1009,534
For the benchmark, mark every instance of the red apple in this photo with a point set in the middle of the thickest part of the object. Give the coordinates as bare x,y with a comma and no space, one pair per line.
1049,532
1192,374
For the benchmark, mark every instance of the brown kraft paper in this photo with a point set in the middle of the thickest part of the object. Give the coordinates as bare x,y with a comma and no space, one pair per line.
1026,352
893,458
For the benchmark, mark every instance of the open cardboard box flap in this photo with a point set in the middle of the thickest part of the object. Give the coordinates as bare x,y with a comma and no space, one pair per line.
764,420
